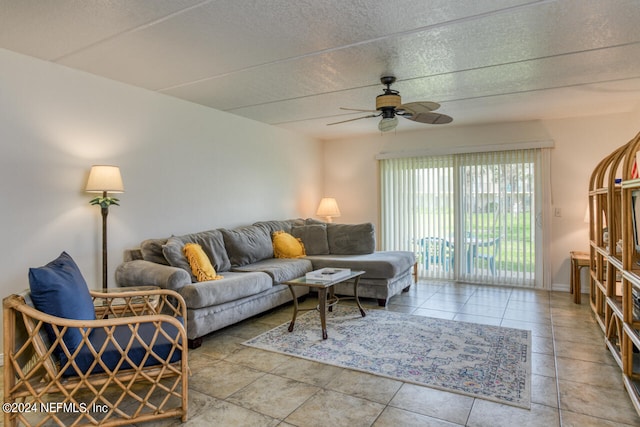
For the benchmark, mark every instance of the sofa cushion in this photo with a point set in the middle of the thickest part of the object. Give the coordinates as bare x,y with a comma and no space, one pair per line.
351,239
287,246
59,289
314,238
279,269
137,353
378,265
276,225
212,244
199,262
246,245
152,251
232,287
312,221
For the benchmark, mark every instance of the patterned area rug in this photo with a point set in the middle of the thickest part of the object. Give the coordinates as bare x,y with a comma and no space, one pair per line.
488,362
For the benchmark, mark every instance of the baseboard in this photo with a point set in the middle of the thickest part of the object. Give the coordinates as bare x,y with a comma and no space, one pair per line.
560,287
1,359
565,287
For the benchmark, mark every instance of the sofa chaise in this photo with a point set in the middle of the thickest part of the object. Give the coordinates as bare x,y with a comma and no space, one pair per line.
250,278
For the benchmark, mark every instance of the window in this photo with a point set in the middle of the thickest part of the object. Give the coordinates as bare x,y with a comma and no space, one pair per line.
467,217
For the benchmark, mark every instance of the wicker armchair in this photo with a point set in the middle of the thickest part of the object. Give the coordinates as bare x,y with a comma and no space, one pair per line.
131,365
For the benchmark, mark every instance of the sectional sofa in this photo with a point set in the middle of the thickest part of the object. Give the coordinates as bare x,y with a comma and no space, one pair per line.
252,278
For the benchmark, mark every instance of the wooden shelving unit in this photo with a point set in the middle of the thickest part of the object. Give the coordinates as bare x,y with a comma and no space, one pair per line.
614,200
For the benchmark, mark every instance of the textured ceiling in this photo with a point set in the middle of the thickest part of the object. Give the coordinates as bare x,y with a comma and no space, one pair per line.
293,63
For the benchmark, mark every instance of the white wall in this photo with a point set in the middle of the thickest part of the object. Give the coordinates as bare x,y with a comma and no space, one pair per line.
351,174
185,168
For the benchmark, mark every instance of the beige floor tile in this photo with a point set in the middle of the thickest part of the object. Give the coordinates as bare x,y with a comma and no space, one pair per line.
261,360
220,378
330,408
443,405
526,315
530,295
454,291
206,411
544,390
542,345
411,300
593,373
394,417
543,364
591,352
490,414
277,317
274,396
482,310
219,345
444,304
571,419
458,289
537,329
307,371
539,307
579,333
611,404
365,386
249,328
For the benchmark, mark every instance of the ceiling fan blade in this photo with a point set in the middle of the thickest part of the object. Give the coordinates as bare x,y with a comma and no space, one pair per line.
351,120
429,118
357,109
419,107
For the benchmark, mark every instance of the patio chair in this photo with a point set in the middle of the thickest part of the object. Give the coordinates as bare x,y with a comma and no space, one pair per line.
129,365
436,251
488,250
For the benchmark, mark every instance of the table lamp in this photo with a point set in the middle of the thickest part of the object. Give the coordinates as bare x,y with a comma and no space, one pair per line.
328,208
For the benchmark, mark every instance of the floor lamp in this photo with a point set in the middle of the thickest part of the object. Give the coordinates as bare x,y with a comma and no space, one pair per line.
104,179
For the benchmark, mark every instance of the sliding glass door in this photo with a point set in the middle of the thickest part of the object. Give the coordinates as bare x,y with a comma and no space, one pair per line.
467,216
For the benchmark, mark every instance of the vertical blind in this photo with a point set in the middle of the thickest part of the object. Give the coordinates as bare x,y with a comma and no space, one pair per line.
466,216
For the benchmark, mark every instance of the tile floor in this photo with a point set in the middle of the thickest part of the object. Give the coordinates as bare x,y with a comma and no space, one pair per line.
575,381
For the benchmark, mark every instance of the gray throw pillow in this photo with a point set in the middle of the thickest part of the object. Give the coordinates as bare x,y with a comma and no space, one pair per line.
246,245
212,244
314,238
351,239
151,250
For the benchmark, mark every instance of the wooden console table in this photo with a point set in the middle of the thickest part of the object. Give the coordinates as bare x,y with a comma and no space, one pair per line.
578,261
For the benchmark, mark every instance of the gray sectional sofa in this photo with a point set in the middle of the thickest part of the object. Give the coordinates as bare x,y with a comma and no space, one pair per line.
252,277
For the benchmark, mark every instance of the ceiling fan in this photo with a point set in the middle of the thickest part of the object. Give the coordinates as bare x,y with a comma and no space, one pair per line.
389,106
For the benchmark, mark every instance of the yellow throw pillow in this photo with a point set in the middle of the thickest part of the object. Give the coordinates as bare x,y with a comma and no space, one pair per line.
199,262
287,246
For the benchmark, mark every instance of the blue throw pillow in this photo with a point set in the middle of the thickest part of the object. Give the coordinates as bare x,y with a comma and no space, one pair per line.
59,289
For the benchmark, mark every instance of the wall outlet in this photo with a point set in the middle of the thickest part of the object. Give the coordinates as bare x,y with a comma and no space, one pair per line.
557,212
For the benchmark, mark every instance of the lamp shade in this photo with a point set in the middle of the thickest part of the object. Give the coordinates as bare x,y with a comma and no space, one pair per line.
104,178
328,208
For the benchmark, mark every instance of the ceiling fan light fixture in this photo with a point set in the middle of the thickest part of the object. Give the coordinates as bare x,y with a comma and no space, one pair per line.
389,105
387,124
388,100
